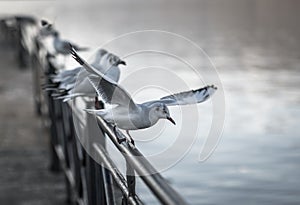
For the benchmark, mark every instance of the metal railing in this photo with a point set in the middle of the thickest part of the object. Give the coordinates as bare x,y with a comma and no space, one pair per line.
89,182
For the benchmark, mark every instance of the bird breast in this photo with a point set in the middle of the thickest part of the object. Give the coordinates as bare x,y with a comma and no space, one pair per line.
126,120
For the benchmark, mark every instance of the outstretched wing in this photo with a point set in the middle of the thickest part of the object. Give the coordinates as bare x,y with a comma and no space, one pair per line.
189,97
108,89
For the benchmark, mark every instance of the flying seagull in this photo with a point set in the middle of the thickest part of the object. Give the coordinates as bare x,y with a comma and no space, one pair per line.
128,115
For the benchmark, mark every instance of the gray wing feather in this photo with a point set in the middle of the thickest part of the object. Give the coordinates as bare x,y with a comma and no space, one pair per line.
111,92
189,97
108,89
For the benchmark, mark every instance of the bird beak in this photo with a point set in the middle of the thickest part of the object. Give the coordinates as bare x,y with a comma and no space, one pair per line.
171,120
122,62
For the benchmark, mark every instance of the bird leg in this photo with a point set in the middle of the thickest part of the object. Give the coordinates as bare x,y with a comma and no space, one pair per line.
117,135
131,139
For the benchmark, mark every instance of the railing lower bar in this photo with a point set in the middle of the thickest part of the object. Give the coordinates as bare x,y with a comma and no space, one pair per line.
116,174
67,172
108,184
156,183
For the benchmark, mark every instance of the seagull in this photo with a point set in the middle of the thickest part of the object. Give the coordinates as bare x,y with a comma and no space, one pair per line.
60,46
75,81
128,115
64,80
63,46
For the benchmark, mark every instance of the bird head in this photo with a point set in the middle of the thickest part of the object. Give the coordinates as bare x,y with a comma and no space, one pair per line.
115,60
121,62
162,111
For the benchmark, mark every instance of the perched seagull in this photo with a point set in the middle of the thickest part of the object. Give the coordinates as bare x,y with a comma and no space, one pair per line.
64,80
60,46
127,114
63,46
75,81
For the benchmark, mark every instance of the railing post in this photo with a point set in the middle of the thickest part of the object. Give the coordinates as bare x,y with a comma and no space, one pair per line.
75,162
54,160
95,181
130,176
108,183
36,84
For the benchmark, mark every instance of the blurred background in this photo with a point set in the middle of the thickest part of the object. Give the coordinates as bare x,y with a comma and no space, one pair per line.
255,47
